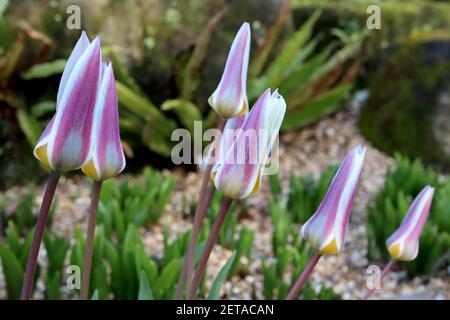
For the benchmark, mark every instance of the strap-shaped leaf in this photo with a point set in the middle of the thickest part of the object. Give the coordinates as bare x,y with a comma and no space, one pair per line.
221,276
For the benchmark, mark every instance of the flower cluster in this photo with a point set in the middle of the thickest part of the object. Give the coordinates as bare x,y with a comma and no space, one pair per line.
84,132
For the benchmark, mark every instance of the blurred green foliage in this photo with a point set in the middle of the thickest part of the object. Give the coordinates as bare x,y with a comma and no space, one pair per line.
314,81
391,205
407,101
140,202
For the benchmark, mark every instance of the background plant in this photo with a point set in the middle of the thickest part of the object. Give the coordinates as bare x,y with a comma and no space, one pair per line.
314,80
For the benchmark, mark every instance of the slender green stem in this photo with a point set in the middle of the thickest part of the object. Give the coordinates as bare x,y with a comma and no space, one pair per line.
385,271
90,236
293,294
225,206
30,270
200,212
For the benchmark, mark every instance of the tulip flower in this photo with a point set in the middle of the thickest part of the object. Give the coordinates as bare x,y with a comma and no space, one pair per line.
241,173
230,97
106,157
65,143
403,244
325,230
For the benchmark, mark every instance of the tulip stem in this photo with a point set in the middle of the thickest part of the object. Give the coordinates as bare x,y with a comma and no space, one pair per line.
225,206
293,294
200,212
90,236
30,270
385,271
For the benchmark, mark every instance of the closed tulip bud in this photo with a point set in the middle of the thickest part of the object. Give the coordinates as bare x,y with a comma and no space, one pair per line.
65,143
240,174
325,230
403,244
106,158
230,97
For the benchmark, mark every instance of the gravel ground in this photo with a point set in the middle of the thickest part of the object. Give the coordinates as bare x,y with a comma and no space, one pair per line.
306,152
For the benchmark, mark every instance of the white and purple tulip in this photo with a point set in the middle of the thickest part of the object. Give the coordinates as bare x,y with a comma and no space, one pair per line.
65,144
325,230
240,174
403,244
106,158
230,97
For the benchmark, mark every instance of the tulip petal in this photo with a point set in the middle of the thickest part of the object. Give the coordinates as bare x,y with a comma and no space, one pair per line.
68,135
107,158
81,46
230,97
326,229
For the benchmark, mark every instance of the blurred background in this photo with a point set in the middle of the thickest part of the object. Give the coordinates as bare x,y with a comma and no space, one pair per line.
345,83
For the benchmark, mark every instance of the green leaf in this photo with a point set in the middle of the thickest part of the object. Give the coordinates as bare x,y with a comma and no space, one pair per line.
42,108
273,76
95,295
167,278
11,59
30,126
45,70
121,73
142,107
186,111
12,271
328,102
52,286
190,73
221,276
145,292
156,140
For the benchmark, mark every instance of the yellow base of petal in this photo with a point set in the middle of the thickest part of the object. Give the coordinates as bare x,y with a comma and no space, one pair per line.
243,110
89,169
394,251
257,185
41,154
331,248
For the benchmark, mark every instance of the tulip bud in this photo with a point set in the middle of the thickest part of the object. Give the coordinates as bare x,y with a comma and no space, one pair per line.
403,244
65,143
240,174
230,97
325,230
106,158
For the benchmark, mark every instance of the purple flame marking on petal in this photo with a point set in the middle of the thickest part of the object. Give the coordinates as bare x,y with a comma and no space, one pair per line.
75,121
